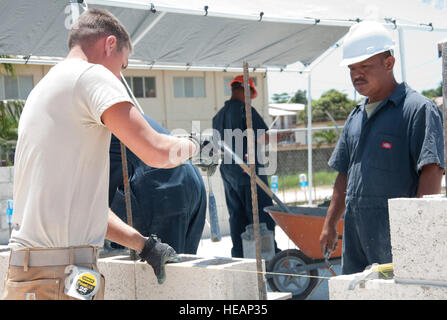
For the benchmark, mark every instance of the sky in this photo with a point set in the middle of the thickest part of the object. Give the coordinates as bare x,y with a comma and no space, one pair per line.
423,69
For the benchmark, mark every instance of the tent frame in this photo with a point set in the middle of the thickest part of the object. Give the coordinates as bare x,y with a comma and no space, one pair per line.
389,23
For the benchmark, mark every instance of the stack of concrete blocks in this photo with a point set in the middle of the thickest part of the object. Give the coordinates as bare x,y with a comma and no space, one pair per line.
194,278
419,247
6,189
4,263
222,210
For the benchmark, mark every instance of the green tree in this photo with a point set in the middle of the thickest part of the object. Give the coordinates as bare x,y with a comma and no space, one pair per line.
433,93
336,103
10,111
6,68
325,136
300,97
280,97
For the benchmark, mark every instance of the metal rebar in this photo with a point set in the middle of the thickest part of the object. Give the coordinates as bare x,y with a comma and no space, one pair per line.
127,193
254,193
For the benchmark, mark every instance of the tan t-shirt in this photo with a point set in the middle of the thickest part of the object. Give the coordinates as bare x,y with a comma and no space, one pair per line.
370,107
61,172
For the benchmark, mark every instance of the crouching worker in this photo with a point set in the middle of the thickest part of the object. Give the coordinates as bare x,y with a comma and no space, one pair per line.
169,203
62,167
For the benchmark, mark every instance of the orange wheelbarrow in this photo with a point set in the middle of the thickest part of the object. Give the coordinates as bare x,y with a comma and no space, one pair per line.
303,226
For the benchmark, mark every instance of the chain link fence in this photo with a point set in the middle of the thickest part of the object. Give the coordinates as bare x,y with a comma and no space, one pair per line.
292,171
7,152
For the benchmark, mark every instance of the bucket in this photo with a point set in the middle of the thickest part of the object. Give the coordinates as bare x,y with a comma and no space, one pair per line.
267,242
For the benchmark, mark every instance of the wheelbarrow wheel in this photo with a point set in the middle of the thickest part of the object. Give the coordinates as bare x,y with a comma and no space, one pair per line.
287,262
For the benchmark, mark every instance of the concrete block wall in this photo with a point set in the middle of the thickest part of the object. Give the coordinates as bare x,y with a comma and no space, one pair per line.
419,239
419,247
195,278
6,191
4,262
380,289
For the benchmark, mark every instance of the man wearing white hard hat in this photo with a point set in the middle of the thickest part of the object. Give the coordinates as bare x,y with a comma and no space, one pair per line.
391,146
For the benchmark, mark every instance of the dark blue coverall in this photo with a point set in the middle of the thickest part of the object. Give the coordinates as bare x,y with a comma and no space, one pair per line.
236,182
170,203
383,156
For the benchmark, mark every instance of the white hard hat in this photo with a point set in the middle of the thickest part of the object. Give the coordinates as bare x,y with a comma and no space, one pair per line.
364,40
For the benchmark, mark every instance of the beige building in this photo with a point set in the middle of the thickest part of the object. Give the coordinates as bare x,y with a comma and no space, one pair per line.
172,97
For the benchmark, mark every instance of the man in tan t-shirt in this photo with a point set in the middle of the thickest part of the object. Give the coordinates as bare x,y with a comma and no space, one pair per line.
62,163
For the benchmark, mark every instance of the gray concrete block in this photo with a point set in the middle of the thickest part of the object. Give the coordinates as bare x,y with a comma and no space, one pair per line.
379,289
3,222
119,275
5,175
212,278
4,236
419,238
4,263
195,278
6,190
215,278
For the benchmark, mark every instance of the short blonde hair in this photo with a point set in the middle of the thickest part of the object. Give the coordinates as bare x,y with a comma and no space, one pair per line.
94,24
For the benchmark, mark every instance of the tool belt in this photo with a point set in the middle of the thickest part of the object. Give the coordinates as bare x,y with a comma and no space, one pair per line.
45,257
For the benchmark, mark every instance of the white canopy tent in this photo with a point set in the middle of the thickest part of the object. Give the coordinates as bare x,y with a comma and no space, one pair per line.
277,110
204,35
288,106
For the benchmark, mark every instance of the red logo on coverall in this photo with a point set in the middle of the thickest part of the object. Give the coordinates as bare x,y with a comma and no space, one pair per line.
386,145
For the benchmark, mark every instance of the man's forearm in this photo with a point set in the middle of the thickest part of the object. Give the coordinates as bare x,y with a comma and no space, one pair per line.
328,236
120,232
337,206
430,180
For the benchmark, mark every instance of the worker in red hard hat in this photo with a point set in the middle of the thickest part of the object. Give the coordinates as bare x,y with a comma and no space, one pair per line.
231,119
238,82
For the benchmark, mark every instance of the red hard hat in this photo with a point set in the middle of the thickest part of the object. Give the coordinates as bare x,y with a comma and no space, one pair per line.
240,79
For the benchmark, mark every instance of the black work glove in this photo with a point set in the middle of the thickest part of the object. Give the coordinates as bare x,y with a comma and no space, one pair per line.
157,254
207,157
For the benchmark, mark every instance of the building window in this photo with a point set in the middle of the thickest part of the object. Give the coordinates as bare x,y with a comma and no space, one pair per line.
142,87
227,88
15,87
189,87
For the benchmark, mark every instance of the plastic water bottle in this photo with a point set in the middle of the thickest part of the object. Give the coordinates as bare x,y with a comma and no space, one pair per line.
274,184
9,210
303,180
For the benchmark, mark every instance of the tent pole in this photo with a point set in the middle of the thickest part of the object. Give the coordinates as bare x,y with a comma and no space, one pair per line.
309,137
254,190
403,72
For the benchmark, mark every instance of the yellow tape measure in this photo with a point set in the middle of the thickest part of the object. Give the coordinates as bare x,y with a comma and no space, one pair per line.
81,283
384,269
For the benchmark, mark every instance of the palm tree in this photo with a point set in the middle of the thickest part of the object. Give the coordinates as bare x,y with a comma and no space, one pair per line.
7,68
10,111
